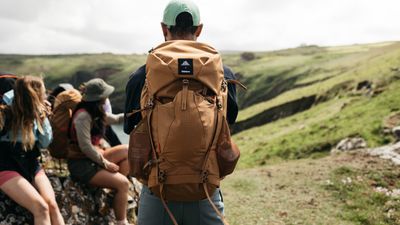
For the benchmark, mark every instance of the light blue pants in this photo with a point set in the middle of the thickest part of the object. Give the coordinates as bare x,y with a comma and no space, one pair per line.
152,212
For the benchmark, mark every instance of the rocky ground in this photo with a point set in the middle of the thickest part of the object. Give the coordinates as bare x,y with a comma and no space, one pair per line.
79,204
389,152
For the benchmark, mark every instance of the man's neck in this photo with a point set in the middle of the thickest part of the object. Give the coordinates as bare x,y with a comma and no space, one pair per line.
187,38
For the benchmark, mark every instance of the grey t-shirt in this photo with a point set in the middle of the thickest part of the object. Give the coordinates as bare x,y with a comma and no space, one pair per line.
82,123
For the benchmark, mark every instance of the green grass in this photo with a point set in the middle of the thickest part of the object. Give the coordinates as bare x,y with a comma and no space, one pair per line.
293,192
373,64
320,128
362,203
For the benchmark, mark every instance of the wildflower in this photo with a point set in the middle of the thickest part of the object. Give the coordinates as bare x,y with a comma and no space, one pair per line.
347,180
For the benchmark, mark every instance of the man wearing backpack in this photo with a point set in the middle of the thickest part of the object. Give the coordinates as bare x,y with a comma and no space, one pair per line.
181,21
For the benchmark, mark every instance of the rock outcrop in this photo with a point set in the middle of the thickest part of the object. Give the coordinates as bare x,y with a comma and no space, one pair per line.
389,152
349,144
79,204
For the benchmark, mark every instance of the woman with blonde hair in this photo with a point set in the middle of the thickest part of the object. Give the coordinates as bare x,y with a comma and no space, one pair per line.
24,130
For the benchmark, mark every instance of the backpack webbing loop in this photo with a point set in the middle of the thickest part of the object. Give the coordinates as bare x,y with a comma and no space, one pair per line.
185,84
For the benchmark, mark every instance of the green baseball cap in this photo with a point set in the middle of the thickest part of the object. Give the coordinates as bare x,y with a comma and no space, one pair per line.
176,7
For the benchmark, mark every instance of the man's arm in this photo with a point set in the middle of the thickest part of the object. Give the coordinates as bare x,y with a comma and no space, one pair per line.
133,91
232,108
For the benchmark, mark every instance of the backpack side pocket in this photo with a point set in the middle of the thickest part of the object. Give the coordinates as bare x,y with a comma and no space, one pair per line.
227,151
139,151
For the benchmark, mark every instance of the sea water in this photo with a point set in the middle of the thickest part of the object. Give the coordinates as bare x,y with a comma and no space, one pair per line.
119,130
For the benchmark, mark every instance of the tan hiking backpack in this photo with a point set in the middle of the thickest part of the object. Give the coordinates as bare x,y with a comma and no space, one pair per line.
64,105
173,150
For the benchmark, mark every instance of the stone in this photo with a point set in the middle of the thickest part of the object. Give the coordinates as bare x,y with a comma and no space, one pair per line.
389,152
349,144
396,132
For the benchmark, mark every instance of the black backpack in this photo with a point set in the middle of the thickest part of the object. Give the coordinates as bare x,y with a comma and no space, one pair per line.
7,82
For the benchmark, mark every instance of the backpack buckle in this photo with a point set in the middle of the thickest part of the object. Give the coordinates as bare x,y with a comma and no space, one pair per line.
224,85
150,103
204,176
219,104
185,81
161,176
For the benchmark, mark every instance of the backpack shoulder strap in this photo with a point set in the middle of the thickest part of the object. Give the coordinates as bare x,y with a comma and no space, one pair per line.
5,119
71,121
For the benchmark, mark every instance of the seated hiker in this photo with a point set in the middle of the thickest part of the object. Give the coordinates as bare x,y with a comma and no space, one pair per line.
89,161
24,129
64,99
110,134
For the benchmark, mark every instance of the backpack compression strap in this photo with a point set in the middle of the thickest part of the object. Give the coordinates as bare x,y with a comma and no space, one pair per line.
218,129
236,82
204,174
150,108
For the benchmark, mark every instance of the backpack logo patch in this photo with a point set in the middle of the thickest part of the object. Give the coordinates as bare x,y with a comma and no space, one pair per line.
185,66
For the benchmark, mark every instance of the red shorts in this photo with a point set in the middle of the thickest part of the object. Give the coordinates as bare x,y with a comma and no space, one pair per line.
6,175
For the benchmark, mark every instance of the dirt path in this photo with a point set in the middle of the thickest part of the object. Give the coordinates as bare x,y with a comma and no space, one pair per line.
291,192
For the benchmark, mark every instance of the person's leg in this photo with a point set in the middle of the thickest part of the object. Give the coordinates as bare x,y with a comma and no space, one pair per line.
208,216
23,193
152,211
118,155
124,167
118,182
45,189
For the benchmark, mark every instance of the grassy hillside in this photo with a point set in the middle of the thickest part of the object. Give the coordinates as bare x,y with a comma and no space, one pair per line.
350,89
343,106
77,69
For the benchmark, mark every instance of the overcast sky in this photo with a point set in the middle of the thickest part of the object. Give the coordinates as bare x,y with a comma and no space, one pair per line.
131,26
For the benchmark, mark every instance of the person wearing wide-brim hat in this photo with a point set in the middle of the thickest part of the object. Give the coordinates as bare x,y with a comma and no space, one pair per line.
90,161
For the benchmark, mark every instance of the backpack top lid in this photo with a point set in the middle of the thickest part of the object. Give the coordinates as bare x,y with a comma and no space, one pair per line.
183,59
69,95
